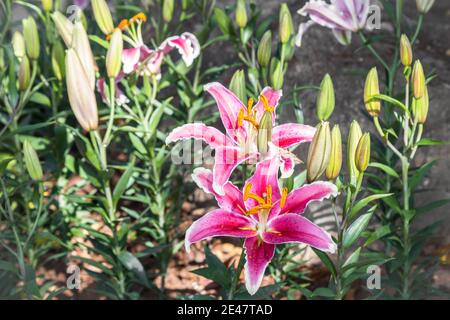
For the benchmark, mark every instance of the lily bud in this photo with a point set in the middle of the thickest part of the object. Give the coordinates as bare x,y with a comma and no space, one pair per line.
24,74
423,6
362,153
265,49
80,43
47,5
319,152
335,164
276,74
241,14
18,45
32,161
31,35
58,61
418,80
371,89
103,16
352,143
420,107
286,24
167,10
64,27
114,55
265,132
81,94
405,51
325,99
237,85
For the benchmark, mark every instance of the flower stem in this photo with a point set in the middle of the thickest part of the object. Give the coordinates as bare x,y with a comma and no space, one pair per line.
235,280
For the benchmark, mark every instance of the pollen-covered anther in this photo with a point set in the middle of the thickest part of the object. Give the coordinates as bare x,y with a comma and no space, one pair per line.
249,117
123,24
284,193
139,17
266,105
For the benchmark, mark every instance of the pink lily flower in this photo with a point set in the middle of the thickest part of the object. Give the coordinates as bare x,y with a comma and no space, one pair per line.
241,124
341,16
145,60
262,214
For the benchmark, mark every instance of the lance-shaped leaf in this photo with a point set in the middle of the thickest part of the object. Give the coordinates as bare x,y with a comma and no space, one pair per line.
357,227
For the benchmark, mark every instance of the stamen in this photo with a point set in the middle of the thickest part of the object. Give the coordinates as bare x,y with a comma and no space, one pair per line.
250,195
240,118
249,105
265,103
247,189
284,193
269,195
123,24
139,17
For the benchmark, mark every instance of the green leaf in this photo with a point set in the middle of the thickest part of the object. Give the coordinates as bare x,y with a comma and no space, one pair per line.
133,264
377,234
390,100
420,174
326,261
352,259
155,118
41,99
364,202
357,227
432,205
123,183
323,292
432,142
215,271
388,170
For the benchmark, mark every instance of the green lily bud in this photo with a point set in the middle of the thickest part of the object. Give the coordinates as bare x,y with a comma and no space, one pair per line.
286,24
103,16
405,51
223,21
371,89
18,43
319,152
325,99
420,107
362,153
47,5
32,161
167,10
114,55
24,74
237,85
241,14
265,132
423,6
58,61
31,35
335,164
352,143
64,27
276,74
418,80
80,43
81,94
265,49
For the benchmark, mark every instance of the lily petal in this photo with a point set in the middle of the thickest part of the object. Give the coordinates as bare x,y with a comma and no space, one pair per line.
231,201
258,256
187,45
291,134
303,27
287,166
272,96
130,58
219,223
326,15
210,135
291,227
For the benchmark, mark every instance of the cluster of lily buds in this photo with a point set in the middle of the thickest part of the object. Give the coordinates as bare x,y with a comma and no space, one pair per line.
423,6
32,163
372,89
325,99
420,102
241,14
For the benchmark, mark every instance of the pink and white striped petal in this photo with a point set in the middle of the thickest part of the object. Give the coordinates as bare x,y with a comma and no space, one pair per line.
258,256
130,59
210,135
291,134
187,45
219,223
273,97
287,166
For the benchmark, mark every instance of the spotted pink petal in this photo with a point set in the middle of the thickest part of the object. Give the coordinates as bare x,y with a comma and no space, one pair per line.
291,134
298,199
232,200
229,106
266,173
258,256
130,59
219,223
287,166
210,135
226,159
273,97
291,227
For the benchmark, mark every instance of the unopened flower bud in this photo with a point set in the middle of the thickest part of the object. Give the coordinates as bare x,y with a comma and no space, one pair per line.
18,45
276,74
319,152
362,153
58,61
265,49
24,74
371,89
423,6
405,51
335,164
286,24
420,107
81,94
168,10
32,163
241,14
237,85
265,132
83,49
114,55
31,35
64,27
418,80
325,99
352,143
47,5
103,16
